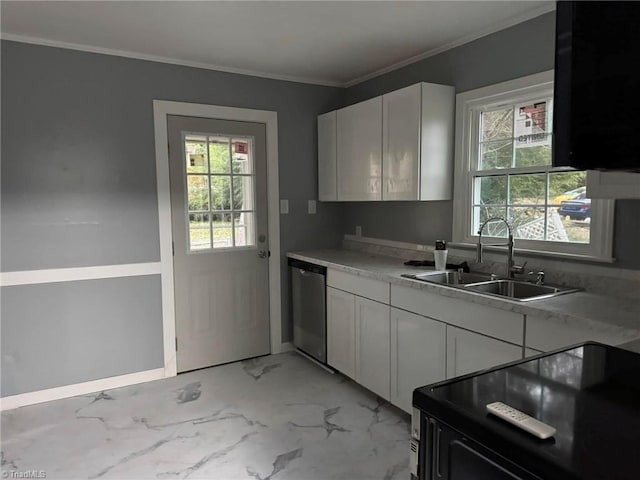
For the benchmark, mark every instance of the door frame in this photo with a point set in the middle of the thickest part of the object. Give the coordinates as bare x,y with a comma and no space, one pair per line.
162,108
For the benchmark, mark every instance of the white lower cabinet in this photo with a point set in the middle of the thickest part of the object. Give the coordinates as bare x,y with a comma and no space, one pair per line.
358,339
418,355
469,352
341,331
545,334
392,351
372,346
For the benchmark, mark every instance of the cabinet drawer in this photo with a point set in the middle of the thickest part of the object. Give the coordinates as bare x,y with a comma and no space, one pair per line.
545,335
494,322
469,352
365,287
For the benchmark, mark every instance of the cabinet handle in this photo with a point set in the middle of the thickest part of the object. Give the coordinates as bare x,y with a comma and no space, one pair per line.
437,451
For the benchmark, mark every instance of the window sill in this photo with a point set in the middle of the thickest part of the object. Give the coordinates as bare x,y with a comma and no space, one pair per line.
535,253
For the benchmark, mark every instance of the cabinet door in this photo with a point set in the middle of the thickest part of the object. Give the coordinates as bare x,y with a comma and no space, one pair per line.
360,151
469,352
341,352
436,141
327,173
401,143
418,354
372,346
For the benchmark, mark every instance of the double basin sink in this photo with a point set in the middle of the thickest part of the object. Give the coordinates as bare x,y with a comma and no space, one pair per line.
481,283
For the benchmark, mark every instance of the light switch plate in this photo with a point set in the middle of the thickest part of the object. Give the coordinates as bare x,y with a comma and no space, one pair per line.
358,231
312,207
284,206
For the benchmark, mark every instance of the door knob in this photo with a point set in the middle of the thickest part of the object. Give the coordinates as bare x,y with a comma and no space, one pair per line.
262,254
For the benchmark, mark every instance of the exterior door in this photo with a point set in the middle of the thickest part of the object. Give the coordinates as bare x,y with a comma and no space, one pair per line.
218,178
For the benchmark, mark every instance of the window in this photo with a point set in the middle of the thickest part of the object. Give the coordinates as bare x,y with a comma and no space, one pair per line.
503,170
220,191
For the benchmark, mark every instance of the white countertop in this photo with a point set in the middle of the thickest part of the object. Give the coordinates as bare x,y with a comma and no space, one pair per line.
580,309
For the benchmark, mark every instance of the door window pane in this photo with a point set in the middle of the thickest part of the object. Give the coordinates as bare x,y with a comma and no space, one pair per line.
196,154
198,192
243,228
220,192
222,232
242,155
243,192
199,231
219,154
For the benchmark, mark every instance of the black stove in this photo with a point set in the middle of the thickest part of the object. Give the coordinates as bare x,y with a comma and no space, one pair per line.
589,392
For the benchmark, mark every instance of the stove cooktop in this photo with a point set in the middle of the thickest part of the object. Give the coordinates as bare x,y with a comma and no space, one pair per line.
590,393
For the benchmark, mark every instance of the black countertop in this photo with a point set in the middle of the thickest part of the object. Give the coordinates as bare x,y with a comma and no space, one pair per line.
590,393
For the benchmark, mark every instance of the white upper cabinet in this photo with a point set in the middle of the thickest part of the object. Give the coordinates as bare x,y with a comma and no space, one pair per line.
327,165
359,151
417,143
401,143
398,146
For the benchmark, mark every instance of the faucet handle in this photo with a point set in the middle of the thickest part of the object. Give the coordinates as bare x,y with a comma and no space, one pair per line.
518,268
539,277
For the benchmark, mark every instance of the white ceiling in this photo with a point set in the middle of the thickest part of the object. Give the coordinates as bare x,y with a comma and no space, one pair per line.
330,43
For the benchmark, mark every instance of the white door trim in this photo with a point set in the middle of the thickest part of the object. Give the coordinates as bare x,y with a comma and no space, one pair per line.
162,108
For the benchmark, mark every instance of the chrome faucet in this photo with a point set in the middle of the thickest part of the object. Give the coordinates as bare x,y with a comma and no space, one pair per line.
510,268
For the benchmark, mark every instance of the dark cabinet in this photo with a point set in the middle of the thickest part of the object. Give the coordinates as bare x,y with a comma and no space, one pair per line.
456,457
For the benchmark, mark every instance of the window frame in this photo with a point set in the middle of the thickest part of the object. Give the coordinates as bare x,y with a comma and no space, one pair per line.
468,106
210,212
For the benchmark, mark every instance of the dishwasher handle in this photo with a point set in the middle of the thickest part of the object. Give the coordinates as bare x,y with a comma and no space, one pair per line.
306,267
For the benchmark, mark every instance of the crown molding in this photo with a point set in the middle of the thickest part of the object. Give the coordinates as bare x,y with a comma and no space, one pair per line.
172,61
456,43
287,78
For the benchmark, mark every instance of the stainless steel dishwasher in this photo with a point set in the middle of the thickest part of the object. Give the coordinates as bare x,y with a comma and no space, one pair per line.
308,291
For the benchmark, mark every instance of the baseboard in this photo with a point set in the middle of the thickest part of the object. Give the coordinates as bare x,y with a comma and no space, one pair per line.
57,393
286,347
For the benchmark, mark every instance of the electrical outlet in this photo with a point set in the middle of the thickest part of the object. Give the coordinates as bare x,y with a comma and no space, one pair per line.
284,206
358,231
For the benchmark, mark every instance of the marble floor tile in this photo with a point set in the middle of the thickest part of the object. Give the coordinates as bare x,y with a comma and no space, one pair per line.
272,418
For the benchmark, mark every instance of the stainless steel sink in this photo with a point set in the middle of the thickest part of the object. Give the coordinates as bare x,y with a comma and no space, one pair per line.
448,277
518,290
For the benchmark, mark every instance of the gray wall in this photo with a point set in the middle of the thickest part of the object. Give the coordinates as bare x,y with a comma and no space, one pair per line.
78,168
521,50
57,334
